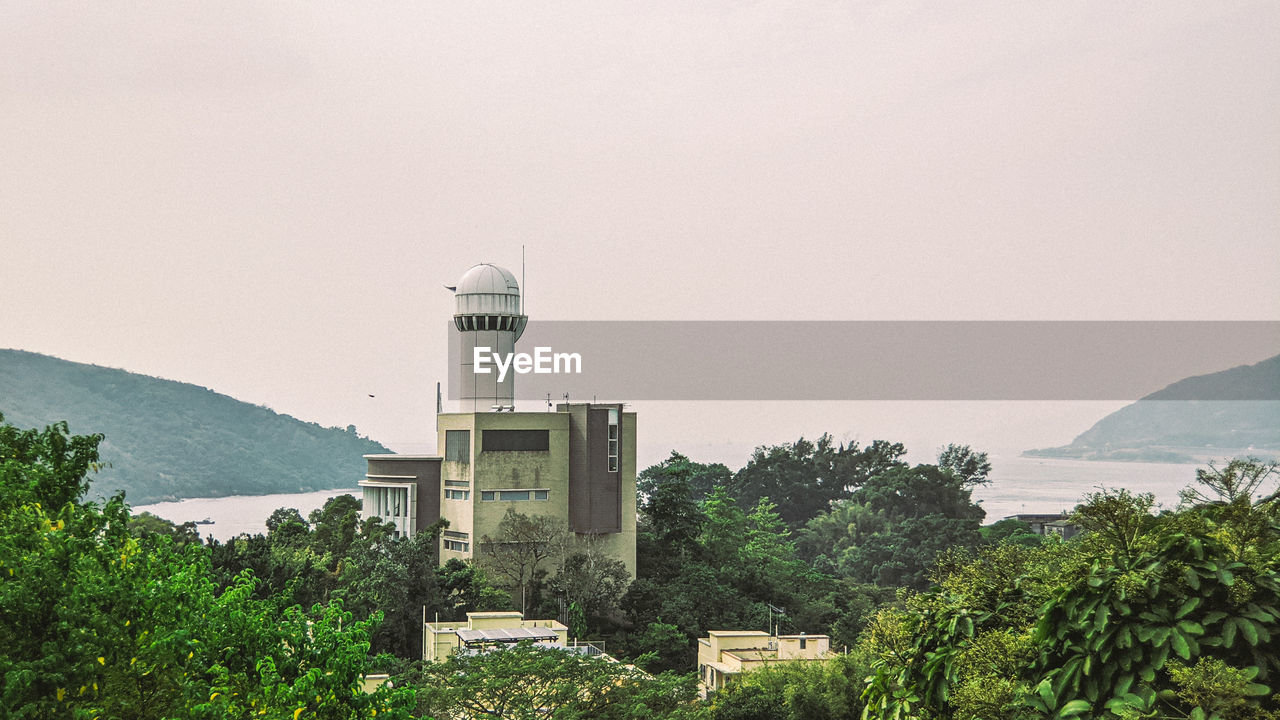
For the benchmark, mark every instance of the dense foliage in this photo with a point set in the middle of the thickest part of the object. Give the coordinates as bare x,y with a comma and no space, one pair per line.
1171,615
97,622
528,682
166,440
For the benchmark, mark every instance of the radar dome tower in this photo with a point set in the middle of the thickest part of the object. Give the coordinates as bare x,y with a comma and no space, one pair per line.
489,314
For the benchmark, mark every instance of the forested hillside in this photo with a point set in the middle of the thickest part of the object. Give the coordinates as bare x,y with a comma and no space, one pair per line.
1235,410
167,439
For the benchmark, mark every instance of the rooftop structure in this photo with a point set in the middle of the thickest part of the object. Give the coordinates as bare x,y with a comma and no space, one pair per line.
488,314
725,653
486,630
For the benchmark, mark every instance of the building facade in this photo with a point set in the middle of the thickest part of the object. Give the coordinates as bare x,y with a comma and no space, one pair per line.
575,463
726,653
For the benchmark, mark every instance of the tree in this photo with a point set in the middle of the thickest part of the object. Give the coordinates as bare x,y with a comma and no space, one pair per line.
701,478
397,578
592,580
465,588
891,529
96,620
336,525
805,477
969,466
1174,615
797,690
523,545
530,681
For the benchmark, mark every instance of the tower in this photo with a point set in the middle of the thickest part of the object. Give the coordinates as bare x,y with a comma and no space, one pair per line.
488,314
576,464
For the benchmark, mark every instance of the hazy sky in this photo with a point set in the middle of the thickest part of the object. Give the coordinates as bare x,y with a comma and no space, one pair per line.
266,198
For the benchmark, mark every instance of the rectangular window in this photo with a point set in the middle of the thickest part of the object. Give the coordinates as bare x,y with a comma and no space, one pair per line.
455,535
613,440
514,495
457,546
524,440
457,494
457,445
457,483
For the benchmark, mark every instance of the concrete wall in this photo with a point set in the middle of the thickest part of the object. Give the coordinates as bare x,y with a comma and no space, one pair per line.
422,471
575,446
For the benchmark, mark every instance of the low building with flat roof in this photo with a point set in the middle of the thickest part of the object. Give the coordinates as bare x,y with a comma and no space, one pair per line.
726,653
483,631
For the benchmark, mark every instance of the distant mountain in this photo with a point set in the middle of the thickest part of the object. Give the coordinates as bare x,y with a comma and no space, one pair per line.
168,440
1177,424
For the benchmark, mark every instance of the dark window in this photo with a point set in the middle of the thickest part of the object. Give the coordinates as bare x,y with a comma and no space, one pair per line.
516,440
457,445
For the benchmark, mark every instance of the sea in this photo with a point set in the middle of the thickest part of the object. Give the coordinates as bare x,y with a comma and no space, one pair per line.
1018,485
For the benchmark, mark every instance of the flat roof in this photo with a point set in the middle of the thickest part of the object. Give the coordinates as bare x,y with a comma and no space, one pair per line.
385,483
507,635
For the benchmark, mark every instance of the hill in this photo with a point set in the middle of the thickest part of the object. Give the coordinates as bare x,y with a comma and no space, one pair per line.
1191,420
168,440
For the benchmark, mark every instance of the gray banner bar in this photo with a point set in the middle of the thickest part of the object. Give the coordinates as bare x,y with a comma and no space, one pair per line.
896,360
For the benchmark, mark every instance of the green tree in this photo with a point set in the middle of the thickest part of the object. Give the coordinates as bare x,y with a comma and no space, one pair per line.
528,681
892,528
805,477
701,478
797,690
523,546
97,621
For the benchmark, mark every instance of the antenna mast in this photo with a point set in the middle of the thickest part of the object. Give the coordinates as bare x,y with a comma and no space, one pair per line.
523,290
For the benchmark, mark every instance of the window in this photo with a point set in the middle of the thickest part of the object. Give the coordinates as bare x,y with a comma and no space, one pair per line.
802,643
457,494
457,445
524,440
457,483
613,440
457,541
514,495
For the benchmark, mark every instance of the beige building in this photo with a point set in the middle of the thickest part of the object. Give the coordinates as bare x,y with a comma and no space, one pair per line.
485,630
576,464
725,653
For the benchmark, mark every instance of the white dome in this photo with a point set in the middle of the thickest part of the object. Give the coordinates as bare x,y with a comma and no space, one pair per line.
486,279
490,296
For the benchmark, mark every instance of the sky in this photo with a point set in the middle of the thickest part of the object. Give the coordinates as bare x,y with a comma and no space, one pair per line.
267,198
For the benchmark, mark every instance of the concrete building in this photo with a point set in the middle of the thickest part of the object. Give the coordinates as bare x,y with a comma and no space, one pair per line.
576,463
1048,524
485,630
726,653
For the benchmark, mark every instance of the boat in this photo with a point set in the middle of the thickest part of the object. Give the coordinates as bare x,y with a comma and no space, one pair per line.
206,521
